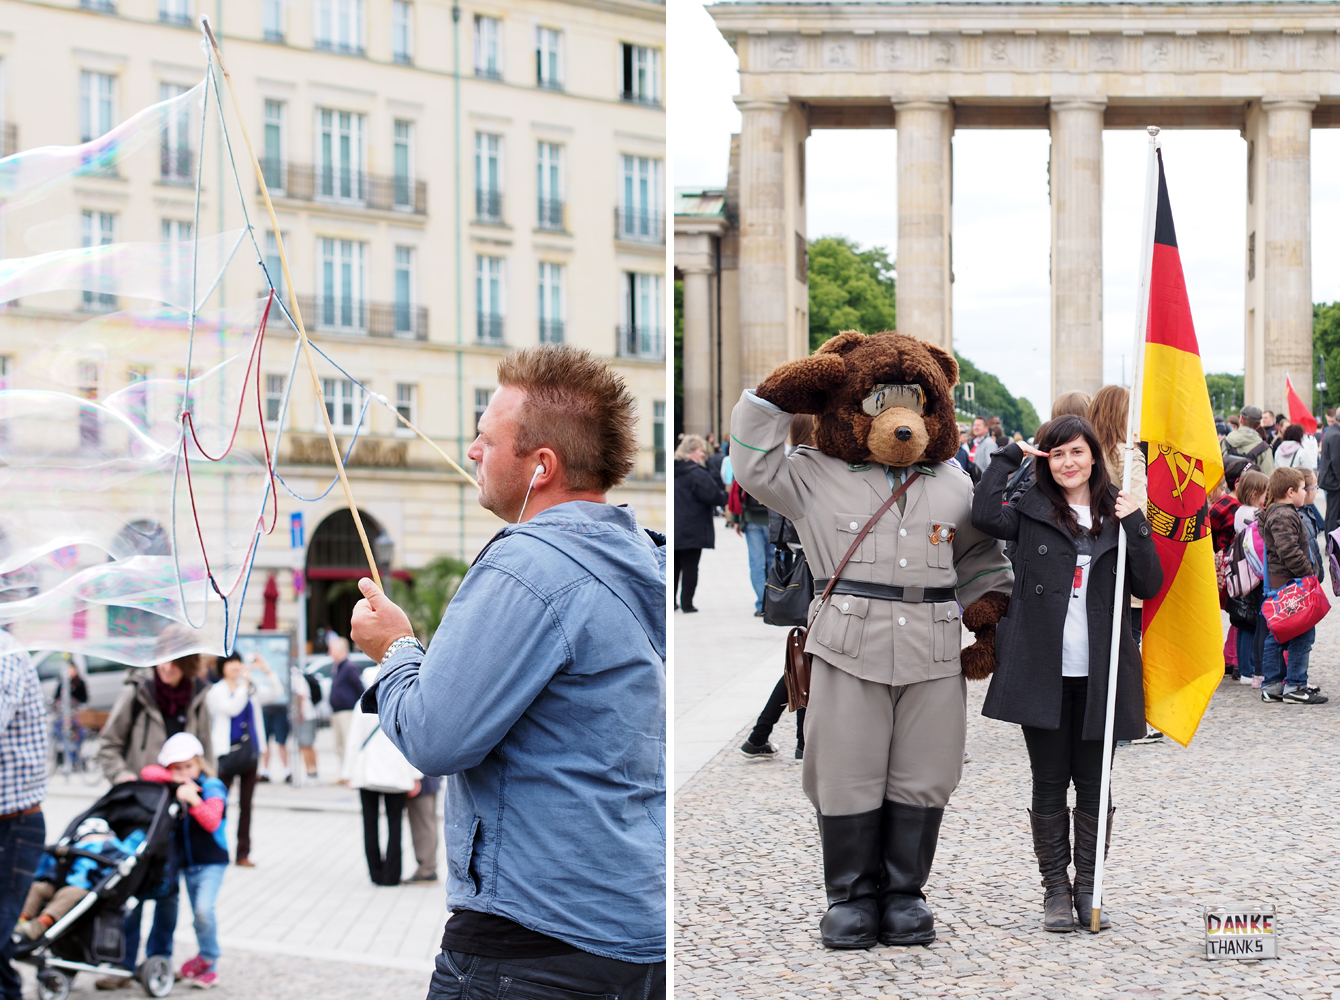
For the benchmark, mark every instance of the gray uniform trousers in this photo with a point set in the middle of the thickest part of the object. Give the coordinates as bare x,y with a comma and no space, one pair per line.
866,742
423,831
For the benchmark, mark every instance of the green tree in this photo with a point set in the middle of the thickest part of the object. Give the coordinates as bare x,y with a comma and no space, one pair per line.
1225,393
679,359
1326,342
991,397
850,289
425,598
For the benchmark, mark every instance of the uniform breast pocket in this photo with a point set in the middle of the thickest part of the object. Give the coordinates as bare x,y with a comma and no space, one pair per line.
848,527
947,629
841,624
940,544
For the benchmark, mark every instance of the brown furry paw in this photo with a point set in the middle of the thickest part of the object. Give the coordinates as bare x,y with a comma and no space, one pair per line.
802,386
979,660
986,612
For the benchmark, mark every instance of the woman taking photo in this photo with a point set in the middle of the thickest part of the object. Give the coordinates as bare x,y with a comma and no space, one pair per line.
1052,647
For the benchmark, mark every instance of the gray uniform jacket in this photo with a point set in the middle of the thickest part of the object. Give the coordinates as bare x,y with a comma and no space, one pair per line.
888,642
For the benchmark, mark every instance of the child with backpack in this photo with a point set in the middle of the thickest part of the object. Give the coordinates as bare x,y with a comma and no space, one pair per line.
1290,554
1240,563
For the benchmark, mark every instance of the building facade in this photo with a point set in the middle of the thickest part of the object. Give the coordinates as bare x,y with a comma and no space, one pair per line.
450,183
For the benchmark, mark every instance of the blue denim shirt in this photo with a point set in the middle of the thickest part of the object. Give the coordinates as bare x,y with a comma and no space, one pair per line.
542,698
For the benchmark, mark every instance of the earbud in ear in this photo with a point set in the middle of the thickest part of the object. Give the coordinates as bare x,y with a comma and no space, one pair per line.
539,470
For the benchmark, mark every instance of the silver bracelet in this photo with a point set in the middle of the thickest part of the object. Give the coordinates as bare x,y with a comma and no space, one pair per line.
404,642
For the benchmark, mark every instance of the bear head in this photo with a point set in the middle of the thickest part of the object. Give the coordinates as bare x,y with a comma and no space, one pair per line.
886,398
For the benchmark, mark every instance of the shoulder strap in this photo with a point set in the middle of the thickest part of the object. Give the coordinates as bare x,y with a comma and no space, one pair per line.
1256,452
832,580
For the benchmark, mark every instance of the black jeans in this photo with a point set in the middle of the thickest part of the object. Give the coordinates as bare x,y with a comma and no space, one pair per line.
686,563
384,868
579,976
21,841
1060,756
246,789
772,711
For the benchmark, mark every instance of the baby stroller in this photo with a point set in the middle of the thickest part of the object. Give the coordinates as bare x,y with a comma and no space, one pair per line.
89,938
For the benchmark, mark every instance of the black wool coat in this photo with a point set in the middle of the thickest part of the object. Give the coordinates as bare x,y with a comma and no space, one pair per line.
1026,687
696,493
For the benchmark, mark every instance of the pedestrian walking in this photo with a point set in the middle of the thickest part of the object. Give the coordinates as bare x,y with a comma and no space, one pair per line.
23,786
1297,449
308,692
384,779
200,843
751,521
1290,555
272,698
346,688
696,494
422,810
1052,650
551,732
237,723
153,706
1328,472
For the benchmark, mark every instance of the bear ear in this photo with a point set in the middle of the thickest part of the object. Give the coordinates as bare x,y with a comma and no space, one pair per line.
840,343
802,386
946,362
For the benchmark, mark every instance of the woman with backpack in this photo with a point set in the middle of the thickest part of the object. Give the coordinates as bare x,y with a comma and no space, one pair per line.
1052,647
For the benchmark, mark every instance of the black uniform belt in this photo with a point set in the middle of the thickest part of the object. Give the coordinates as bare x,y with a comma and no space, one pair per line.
884,592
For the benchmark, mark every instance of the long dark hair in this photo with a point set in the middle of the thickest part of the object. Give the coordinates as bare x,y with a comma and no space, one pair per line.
1063,430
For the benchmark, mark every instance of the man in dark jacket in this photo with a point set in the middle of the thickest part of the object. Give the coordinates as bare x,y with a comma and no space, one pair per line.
346,687
1328,474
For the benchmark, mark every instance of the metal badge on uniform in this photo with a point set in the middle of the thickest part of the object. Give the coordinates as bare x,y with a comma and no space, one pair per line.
1241,930
941,533
887,396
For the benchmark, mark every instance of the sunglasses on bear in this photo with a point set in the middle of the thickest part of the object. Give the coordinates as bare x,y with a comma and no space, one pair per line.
889,396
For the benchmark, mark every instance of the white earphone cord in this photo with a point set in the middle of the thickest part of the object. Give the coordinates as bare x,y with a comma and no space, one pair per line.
535,476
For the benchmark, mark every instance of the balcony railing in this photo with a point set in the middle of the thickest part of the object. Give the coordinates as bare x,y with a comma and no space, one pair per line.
551,331
343,48
639,225
105,6
304,182
177,166
9,139
489,72
488,205
551,214
489,328
646,342
169,17
396,320
634,97
273,35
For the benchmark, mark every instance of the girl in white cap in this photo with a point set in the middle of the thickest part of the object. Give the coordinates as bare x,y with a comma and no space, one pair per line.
201,845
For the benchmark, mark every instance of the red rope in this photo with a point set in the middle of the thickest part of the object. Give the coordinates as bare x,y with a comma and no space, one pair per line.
189,423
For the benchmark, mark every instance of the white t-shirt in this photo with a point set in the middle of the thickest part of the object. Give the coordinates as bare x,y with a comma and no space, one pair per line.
1075,637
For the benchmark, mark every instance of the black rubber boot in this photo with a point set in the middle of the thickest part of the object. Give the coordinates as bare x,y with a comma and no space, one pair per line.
1086,856
909,834
1051,843
851,879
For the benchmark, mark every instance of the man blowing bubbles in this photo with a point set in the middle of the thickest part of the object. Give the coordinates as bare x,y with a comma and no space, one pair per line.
542,697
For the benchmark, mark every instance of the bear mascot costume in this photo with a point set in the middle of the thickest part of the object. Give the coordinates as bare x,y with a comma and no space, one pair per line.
887,714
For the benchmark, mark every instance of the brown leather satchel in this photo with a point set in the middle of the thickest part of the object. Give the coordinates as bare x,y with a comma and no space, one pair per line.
796,670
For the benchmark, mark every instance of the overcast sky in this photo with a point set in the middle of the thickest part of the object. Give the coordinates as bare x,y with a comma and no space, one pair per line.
1002,241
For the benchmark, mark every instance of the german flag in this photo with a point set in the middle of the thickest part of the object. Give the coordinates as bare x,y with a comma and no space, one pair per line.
1183,641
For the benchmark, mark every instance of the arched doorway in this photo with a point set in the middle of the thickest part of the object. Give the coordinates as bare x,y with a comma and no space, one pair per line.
335,561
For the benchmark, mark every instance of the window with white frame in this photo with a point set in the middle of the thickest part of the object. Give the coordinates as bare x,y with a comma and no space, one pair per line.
489,298
177,165
548,64
641,335
137,395
342,305
401,162
272,164
344,403
549,184
339,155
404,292
488,177
274,398
482,397
174,11
641,74
90,425
640,215
551,303
405,393
338,25
402,31
272,20
274,267
488,47
99,230
177,265
97,99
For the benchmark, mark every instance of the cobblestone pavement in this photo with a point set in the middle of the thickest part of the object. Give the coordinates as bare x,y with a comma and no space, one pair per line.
1248,812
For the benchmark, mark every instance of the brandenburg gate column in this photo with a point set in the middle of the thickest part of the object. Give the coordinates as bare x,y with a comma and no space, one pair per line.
1279,249
1077,244
925,127
763,258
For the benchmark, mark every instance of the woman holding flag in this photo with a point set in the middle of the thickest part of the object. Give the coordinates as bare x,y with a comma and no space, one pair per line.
1052,647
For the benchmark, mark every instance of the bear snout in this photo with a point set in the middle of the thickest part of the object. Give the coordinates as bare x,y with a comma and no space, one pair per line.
898,436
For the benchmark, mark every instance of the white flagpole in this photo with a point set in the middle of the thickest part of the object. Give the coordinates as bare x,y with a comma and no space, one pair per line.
1132,423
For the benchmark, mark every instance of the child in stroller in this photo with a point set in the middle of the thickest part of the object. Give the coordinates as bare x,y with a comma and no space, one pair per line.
48,901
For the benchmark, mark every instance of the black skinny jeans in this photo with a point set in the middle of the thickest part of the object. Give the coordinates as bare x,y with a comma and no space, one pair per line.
1060,756
772,711
384,868
686,563
247,788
